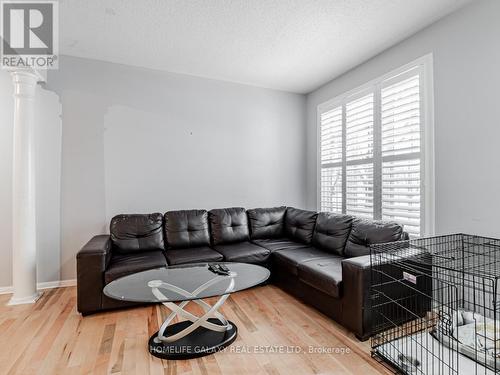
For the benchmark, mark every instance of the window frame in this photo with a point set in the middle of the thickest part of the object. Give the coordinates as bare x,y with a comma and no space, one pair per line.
424,65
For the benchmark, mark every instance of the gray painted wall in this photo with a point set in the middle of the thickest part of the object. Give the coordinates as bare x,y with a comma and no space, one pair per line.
137,140
465,47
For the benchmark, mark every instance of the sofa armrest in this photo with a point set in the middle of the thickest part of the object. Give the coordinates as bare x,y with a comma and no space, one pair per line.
91,262
98,245
356,281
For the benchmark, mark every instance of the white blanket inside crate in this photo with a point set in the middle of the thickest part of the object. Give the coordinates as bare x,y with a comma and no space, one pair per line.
434,356
477,336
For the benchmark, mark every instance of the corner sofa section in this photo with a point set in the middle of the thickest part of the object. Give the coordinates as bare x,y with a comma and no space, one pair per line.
321,258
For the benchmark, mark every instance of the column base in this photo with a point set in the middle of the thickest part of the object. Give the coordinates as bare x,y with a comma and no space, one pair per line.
24,300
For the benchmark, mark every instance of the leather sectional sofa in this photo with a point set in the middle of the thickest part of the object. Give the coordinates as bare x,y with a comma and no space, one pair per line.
321,258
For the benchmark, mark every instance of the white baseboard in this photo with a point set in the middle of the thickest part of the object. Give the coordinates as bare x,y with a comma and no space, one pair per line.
56,284
5,289
44,285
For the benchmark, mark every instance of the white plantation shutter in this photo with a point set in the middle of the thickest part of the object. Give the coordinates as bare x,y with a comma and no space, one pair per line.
359,128
359,190
359,146
401,193
331,159
401,178
331,189
401,117
331,136
371,154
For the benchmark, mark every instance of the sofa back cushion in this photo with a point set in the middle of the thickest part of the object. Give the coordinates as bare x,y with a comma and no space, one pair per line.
137,232
228,225
266,222
366,232
186,228
299,224
331,232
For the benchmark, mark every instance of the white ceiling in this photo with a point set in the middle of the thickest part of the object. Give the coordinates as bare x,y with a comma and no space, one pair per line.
291,45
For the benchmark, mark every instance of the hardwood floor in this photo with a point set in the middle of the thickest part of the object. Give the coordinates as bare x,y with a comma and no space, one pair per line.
50,337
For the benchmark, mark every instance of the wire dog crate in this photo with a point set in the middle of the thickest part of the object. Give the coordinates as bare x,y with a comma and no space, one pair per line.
435,305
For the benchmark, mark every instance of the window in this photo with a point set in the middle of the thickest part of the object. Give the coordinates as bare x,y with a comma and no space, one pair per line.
376,150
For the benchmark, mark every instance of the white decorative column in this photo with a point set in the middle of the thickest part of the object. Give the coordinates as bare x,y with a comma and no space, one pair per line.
24,194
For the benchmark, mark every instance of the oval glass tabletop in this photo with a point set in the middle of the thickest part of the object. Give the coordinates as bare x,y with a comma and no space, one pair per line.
185,282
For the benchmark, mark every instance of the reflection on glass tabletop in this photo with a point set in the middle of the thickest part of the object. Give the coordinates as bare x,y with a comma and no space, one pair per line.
185,282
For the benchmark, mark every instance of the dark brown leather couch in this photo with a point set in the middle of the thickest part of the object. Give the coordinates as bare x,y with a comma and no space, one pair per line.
321,258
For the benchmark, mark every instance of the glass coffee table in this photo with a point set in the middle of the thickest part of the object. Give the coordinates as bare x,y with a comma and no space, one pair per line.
197,335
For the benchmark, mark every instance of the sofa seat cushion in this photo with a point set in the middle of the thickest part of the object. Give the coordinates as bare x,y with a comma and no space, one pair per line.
125,264
323,274
266,222
299,224
193,255
288,260
186,228
137,232
280,244
228,225
245,252
367,232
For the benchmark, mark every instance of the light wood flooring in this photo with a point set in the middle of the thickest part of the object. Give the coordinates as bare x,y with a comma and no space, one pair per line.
50,337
